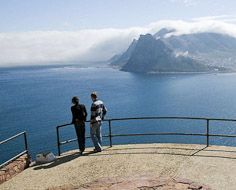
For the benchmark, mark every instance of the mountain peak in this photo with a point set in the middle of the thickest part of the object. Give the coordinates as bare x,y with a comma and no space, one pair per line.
198,52
146,36
161,33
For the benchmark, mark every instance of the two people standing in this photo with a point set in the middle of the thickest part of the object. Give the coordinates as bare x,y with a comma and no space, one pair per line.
79,115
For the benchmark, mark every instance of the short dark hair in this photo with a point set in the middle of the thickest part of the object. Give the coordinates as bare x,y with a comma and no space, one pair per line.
75,100
94,95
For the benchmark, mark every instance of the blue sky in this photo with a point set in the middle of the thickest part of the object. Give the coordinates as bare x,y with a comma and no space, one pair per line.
70,31
30,15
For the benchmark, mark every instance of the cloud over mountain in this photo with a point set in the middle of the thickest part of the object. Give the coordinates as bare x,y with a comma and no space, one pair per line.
49,47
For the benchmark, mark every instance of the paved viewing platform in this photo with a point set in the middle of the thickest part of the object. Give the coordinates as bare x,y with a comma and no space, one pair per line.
134,166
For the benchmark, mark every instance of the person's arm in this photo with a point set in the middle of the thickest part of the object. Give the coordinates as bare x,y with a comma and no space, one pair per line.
85,114
73,118
104,111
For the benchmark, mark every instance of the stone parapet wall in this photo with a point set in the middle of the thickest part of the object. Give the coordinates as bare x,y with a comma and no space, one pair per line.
14,167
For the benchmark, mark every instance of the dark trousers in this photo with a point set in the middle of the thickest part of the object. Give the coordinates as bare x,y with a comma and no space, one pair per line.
80,132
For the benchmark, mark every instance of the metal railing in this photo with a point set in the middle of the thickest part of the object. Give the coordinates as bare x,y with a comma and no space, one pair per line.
110,135
20,154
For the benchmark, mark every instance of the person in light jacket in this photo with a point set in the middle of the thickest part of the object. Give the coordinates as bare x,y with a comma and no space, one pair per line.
98,111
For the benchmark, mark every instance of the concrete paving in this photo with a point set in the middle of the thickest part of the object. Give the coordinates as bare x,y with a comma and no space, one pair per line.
214,166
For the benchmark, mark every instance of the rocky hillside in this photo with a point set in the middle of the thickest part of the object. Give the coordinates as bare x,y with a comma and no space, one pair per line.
201,52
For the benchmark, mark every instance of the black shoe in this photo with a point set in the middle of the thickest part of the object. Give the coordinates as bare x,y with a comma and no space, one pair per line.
97,150
81,153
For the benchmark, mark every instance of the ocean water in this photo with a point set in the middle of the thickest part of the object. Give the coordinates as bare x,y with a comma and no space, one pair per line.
38,99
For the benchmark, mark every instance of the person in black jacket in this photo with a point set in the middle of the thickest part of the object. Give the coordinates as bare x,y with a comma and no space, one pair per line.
79,115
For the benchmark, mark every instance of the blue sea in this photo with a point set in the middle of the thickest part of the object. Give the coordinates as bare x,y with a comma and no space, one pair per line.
37,99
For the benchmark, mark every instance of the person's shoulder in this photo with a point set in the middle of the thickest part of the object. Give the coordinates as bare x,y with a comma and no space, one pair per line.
82,105
99,102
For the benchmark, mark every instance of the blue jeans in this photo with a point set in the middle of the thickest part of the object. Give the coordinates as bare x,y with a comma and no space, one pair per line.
96,135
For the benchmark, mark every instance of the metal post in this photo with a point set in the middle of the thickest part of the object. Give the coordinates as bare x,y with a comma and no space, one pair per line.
26,143
58,142
110,136
207,132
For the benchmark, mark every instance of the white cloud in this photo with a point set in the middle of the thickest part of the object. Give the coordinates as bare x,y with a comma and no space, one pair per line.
185,54
48,47
42,47
188,27
223,18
